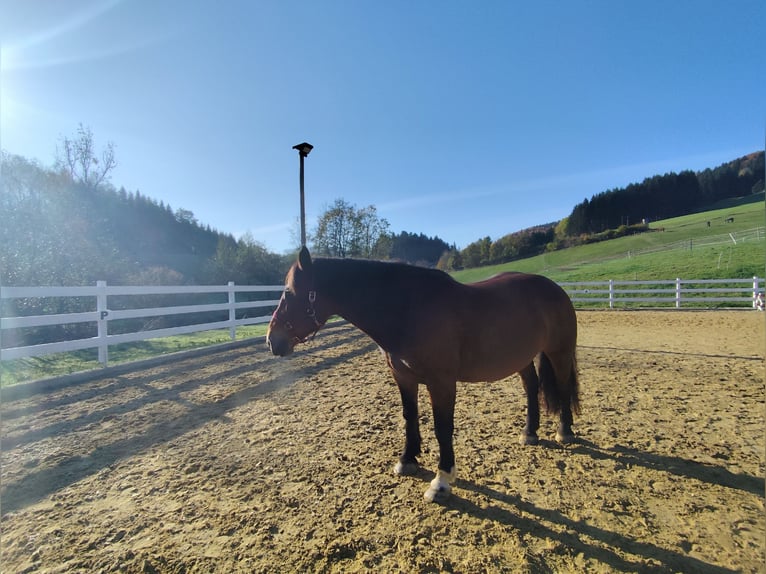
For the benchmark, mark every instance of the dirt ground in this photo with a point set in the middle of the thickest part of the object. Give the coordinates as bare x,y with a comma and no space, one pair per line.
242,462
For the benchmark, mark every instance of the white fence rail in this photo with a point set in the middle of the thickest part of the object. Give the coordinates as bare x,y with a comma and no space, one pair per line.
102,314
675,293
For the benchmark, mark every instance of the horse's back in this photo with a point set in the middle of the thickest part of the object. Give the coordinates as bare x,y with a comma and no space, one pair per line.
542,297
526,312
525,287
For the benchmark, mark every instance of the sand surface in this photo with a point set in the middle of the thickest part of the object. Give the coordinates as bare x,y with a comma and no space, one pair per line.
242,462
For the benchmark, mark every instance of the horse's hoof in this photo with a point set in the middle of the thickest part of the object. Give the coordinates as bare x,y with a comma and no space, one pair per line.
438,494
565,438
440,488
528,439
406,468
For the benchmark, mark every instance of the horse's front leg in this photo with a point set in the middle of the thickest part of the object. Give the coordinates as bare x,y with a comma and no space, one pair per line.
408,462
532,388
443,404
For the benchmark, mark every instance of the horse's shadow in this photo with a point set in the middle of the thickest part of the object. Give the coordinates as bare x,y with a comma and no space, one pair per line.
596,543
701,471
575,534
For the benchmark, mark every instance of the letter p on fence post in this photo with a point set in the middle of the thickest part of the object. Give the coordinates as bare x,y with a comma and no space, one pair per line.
103,329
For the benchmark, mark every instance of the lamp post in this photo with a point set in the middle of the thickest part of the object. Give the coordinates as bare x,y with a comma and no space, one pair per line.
303,150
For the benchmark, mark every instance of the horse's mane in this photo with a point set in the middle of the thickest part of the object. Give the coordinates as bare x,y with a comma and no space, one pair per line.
380,269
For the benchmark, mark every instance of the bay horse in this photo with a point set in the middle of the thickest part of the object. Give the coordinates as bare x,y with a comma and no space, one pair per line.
435,331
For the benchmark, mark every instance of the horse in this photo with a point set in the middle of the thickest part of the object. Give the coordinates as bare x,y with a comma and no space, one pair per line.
436,331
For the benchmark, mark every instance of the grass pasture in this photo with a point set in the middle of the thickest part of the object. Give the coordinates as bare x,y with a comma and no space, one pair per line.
57,364
665,253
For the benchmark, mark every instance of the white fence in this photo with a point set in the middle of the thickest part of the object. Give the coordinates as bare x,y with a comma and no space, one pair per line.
101,314
675,293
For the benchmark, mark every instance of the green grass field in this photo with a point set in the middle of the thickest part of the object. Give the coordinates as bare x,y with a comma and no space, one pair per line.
622,259
618,259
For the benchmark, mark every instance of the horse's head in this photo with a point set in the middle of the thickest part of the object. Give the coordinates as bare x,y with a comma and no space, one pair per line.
295,319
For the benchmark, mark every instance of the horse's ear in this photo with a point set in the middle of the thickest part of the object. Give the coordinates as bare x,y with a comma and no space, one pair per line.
304,259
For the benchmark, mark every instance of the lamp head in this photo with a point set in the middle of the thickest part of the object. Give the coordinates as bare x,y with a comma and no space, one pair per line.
303,148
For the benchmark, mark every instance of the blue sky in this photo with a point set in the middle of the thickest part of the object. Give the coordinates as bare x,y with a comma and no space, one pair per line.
457,119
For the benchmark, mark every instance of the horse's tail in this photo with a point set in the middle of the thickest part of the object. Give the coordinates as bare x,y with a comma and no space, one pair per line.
560,391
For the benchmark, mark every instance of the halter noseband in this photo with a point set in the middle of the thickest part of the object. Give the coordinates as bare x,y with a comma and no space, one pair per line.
310,313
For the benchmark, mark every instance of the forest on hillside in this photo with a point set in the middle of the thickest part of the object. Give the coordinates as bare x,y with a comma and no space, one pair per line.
66,226
61,226
620,211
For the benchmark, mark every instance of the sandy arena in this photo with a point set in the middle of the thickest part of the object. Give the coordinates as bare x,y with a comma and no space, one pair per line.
243,462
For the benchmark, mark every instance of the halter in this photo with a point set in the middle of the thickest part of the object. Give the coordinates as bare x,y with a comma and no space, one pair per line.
310,313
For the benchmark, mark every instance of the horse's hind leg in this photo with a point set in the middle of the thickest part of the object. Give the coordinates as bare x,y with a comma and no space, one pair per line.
564,433
531,387
558,378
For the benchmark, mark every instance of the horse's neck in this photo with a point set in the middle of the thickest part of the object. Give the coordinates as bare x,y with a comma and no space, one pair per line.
360,297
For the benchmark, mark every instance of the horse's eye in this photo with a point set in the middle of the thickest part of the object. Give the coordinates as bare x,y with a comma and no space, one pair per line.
287,298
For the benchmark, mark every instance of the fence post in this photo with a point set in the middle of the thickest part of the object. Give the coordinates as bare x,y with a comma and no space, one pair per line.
755,292
103,326
611,293
2,314
232,312
678,293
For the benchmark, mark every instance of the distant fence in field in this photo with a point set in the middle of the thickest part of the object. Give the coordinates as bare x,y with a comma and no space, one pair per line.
105,309
733,238
673,293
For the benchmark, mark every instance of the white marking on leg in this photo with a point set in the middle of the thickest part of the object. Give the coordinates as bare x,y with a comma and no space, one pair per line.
440,487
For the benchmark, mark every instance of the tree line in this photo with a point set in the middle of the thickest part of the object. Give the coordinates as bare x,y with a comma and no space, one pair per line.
62,231
68,225
345,230
620,211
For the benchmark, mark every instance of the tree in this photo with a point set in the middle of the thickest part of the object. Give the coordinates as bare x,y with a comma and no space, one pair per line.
368,231
345,231
417,248
185,216
78,158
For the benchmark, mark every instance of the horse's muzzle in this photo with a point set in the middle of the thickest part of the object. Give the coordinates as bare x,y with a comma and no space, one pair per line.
279,344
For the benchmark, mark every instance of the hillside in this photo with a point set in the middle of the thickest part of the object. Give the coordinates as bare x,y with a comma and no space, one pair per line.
621,211
681,246
60,231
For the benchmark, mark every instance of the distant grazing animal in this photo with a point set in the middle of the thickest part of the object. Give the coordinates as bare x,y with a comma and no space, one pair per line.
436,331
729,220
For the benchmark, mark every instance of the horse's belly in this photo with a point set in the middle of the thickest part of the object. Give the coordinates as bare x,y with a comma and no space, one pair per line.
488,361
492,368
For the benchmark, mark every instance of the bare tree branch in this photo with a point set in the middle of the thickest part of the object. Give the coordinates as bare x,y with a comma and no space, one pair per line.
80,162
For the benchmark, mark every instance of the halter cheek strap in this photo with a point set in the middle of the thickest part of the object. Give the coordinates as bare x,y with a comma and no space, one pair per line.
310,313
